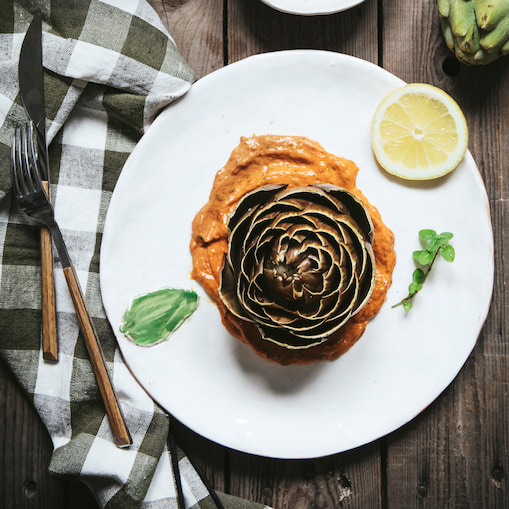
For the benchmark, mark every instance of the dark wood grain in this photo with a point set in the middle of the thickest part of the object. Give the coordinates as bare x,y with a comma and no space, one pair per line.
455,454
343,480
252,28
197,28
25,452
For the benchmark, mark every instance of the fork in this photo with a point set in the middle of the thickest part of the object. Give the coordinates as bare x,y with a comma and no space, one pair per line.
33,200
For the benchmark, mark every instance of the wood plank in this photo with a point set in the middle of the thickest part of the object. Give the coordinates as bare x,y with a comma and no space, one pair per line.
351,479
455,454
25,453
253,27
197,28
344,480
25,450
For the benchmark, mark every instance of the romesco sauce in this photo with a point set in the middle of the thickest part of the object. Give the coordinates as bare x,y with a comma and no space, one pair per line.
295,161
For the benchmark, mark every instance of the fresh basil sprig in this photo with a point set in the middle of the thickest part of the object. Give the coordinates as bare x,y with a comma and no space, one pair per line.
437,244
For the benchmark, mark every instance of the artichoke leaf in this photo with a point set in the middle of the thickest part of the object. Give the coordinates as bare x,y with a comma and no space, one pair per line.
355,206
462,17
443,7
494,40
489,13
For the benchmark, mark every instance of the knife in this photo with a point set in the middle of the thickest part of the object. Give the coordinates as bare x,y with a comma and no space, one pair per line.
31,89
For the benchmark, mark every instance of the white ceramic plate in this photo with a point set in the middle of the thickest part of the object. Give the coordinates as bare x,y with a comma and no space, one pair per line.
214,383
311,7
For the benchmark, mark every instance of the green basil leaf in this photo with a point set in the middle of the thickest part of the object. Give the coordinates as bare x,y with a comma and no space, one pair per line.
448,253
423,257
427,234
413,288
418,276
433,245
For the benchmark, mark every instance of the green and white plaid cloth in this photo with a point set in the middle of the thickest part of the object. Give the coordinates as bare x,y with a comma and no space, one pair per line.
110,67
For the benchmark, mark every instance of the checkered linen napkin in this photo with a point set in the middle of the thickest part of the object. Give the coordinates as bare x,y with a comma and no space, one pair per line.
110,67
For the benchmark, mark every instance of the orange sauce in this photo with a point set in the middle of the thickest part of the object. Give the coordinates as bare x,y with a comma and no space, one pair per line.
296,161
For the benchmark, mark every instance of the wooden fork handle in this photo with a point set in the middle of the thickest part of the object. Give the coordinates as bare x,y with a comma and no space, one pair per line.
117,423
49,322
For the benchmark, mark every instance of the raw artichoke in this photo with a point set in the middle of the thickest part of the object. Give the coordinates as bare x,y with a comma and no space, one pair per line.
299,262
477,31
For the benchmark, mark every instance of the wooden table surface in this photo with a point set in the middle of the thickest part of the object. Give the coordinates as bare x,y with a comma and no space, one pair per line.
455,454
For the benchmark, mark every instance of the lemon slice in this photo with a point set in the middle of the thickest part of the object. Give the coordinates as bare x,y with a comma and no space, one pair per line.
419,132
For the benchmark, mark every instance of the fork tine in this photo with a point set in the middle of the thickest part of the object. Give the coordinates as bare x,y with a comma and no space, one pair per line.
25,163
27,158
26,178
30,158
18,181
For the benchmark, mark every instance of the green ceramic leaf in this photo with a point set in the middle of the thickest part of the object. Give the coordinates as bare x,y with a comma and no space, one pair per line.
154,316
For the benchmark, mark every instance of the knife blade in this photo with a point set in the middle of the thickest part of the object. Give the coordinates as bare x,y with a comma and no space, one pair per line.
31,85
31,89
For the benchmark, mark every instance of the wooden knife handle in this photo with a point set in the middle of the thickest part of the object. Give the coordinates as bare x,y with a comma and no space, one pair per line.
117,423
49,322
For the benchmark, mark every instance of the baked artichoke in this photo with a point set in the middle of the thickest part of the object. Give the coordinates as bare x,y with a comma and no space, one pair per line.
299,262
477,31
